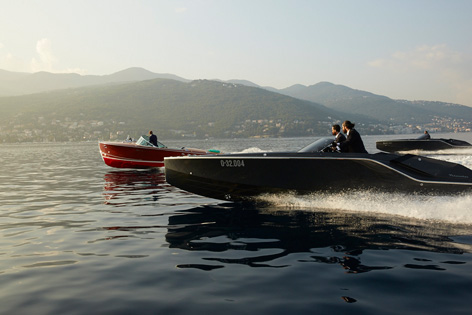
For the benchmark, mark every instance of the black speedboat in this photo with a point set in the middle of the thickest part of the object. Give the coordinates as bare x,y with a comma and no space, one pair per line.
239,176
422,144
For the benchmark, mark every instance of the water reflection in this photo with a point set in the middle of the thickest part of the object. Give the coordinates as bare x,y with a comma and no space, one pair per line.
127,180
216,236
231,234
124,183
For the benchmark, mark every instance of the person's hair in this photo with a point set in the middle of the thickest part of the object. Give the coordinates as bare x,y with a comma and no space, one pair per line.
348,124
150,132
337,127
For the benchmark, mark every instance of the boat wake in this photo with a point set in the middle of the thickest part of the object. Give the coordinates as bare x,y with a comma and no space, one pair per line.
465,160
464,152
451,209
251,150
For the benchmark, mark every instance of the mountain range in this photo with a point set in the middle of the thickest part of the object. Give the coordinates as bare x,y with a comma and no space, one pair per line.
126,101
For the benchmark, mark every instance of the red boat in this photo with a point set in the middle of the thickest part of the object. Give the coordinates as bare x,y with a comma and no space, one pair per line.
142,154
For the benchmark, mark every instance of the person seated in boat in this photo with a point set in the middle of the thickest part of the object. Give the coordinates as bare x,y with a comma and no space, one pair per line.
353,143
152,138
338,136
424,136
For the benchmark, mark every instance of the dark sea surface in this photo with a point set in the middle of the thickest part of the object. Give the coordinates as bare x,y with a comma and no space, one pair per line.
77,236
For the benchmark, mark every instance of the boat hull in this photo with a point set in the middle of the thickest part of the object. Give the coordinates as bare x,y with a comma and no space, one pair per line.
238,177
423,145
131,155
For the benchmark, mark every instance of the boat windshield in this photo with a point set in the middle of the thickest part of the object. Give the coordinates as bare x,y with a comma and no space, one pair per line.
144,141
424,137
318,145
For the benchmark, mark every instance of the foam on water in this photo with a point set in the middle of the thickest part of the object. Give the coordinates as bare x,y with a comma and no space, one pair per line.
453,209
465,160
252,150
439,152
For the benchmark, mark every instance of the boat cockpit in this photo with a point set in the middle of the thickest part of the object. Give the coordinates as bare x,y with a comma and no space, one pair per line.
144,141
320,145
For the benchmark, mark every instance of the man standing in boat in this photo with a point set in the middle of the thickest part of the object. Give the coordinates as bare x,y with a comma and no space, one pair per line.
353,143
152,138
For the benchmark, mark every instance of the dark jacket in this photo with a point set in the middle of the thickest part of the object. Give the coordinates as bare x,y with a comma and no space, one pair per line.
353,143
153,139
339,138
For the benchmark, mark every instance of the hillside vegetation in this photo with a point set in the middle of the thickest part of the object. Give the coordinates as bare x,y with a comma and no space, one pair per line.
70,107
171,108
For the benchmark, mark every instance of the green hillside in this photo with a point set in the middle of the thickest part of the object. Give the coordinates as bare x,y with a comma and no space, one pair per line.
347,100
109,106
170,108
174,108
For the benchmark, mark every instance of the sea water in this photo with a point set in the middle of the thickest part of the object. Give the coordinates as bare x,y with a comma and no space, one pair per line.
77,236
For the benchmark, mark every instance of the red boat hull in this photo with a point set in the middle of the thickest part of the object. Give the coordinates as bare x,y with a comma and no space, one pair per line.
131,155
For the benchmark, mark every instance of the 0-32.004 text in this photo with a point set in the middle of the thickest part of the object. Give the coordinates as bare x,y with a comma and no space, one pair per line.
232,163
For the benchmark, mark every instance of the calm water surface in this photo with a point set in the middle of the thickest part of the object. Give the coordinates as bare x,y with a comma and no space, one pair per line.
77,236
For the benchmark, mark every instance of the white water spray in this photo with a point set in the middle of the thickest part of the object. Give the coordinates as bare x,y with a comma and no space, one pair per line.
453,209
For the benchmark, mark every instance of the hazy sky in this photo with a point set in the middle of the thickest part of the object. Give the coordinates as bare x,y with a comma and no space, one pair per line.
403,49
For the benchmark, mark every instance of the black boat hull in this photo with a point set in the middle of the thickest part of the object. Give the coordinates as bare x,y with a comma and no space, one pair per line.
423,145
241,176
